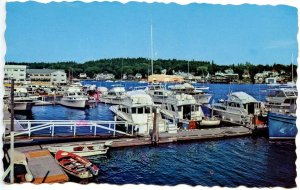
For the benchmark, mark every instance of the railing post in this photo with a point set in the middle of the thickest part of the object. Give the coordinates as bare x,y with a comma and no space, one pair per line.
52,131
126,125
12,147
132,130
74,132
95,130
115,119
29,129
109,128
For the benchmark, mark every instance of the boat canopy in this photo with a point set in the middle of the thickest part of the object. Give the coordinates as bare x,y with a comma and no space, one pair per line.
140,97
242,97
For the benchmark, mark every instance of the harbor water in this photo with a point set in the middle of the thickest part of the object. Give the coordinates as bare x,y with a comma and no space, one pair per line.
248,161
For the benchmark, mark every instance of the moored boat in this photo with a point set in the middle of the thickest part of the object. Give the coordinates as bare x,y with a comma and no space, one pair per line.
76,165
82,149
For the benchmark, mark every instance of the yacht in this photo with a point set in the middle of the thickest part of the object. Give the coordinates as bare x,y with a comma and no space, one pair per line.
137,109
115,95
200,93
185,110
158,92
240,108
22,101
74,98
281,106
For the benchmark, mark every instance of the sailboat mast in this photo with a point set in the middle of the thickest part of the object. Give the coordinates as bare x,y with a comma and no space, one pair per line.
292,67
151,51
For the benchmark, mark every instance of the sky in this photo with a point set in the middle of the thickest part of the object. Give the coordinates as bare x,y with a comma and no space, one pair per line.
226,34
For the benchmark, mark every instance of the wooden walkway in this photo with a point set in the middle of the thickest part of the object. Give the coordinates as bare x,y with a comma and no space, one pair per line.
42,165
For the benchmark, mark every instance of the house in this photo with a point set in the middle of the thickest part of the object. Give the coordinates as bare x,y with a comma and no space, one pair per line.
165,78
105,76
82,76
17,72
138,76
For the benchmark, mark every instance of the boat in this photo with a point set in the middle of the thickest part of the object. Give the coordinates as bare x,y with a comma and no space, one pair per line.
240,108
200,93
82,149
40,101
74,98
22,101
137,109
281,106
114,96
76,165
158,92
184,109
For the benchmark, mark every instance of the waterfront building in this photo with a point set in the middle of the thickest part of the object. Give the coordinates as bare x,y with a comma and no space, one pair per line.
138,76
165,78
82,76
47,76
105,76
17,72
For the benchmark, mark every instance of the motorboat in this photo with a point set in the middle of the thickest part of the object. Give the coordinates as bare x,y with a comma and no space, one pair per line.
199,93
137,109
240,108
184,110
82,149
281,106
115,95
76,165
74,98
158,92
22,101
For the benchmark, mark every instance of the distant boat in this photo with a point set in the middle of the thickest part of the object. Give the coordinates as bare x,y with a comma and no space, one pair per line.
76,165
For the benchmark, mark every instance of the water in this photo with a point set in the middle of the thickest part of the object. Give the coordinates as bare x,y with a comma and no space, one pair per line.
226,162
248,161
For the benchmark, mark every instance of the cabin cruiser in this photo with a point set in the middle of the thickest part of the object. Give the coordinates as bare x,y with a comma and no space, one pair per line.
22,101
240,108
200,93
158,92
114,96
184,109
137,109
281,106
74,98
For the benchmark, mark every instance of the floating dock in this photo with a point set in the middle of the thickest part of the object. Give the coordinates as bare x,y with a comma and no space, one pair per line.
42,165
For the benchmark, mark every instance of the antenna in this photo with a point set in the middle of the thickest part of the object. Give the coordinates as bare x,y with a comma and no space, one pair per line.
151,51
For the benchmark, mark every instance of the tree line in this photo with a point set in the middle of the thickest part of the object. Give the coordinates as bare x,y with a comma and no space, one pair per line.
131,66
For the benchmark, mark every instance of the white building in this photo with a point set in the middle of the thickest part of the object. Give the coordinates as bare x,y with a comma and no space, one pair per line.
17,72
47,75
103,76
82,75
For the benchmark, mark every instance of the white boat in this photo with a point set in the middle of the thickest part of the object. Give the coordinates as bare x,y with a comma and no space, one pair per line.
185,110
74,98
281,106
82,149
114,96
199,93
22,101
158,92
239,108
137,109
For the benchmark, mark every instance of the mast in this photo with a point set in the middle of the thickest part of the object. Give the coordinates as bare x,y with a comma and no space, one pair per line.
292,68
151,51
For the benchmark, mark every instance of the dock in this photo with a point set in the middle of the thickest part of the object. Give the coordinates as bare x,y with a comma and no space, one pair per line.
42,165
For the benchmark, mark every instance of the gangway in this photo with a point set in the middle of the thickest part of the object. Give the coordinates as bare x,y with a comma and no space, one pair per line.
70,127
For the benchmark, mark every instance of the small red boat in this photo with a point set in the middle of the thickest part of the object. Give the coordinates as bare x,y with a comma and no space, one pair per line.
76,165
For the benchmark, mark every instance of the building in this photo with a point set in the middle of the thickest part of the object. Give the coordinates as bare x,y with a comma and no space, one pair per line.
226,77
138,76
82,76
105,76
48,76
17,72
165,78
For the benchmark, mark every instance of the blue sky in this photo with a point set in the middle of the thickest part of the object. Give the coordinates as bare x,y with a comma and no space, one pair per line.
81,32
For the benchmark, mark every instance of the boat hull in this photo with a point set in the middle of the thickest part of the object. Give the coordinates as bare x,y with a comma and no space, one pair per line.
23,106
77,104
281,126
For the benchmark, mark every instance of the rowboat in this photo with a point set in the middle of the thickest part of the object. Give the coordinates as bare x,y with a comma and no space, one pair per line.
82,149
76,165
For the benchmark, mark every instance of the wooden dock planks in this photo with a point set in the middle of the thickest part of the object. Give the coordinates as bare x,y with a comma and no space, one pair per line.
43,166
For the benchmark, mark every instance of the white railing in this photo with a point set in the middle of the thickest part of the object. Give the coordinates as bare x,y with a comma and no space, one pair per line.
27,127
